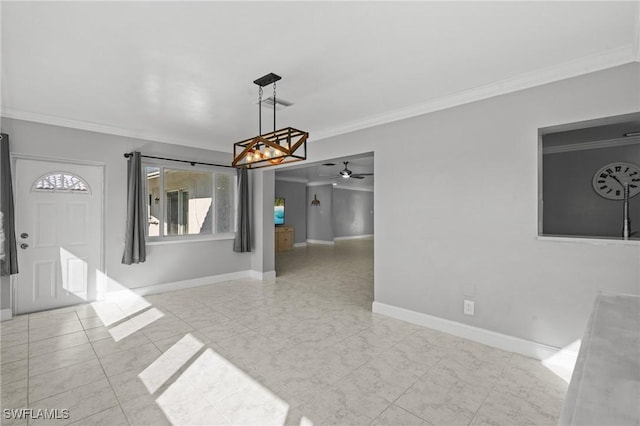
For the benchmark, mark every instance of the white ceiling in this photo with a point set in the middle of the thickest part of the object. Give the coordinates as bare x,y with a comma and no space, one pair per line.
182,72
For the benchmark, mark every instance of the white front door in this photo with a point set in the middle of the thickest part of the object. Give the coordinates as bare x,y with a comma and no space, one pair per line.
59,232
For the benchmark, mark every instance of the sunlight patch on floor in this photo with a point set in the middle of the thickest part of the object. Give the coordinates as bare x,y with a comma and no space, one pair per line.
212,390
170,362
563,362
121,306
134,324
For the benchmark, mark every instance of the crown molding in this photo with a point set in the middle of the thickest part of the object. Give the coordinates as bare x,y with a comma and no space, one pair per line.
609,59
609,143
598,62
350,188
291,179
100,128
320,183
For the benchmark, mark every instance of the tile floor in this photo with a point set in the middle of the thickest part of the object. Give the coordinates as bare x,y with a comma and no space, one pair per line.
304,350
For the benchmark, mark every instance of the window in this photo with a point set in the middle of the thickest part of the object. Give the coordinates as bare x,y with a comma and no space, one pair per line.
185,203
61,182
584,169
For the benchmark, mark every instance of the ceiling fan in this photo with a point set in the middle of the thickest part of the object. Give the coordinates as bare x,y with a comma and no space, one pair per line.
348,174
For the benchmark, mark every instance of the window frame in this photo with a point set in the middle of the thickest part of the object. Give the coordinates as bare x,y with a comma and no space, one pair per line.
80,179
213,171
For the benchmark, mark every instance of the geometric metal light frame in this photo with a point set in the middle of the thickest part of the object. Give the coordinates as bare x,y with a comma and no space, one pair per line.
286,145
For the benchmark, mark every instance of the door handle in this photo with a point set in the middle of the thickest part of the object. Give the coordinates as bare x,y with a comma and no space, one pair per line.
24,235
24,246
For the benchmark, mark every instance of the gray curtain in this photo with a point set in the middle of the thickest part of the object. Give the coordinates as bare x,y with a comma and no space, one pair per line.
134,245
242,243
8,252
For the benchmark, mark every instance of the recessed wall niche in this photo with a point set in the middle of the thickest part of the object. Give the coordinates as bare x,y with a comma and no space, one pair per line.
583,170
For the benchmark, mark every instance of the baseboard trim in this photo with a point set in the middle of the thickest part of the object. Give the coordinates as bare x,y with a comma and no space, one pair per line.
6,314
300,244
263,276
480,335
353,237
328,243
196,282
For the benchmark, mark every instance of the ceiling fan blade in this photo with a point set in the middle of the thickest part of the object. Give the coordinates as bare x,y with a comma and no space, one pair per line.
365,174
357,177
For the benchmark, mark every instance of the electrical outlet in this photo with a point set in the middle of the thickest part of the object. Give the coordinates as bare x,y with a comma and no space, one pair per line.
469,307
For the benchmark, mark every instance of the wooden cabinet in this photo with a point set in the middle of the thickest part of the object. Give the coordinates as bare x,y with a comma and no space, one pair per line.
284,238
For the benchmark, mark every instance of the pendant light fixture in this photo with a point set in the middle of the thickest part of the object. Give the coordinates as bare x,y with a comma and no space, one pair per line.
270,149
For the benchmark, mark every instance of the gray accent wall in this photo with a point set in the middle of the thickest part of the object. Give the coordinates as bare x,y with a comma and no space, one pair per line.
166,263
469,211
295,195
352,212
572,207
320,217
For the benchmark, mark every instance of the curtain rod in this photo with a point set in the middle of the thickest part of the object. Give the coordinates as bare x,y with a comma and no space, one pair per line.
193,163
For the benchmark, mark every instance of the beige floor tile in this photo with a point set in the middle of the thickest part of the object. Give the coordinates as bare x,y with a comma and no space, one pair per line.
47,332
302,350
165,344
219,332
99,333
128,386
144,411
14,395
57,343
52,312
346,397
135,359
64,379
396,416
441,399
14,371
14,353
184,405
85,311
81,402
15,417
108,346
113,416
92,322
63,358
255,404
165,328
14,325
51,320
14,339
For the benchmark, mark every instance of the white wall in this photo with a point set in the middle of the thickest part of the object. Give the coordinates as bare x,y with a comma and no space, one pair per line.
166,263
320,216
263,260
462,216
352,212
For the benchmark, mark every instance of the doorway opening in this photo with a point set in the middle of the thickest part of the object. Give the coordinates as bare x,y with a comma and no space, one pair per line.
326,209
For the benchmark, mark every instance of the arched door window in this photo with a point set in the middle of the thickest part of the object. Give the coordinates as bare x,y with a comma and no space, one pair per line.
61,182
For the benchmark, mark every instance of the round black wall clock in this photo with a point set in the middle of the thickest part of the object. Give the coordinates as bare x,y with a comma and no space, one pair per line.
609,181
